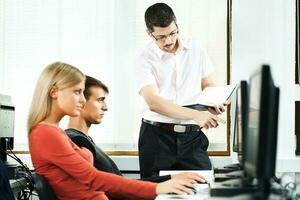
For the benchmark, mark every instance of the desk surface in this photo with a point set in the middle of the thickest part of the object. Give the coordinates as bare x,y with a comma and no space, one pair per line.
202,197
203,193
187,197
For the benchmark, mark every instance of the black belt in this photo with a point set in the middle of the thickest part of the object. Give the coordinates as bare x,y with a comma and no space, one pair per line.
179,128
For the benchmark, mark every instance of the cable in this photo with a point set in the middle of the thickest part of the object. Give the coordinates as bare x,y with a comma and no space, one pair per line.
16,157
28,176
19,161
24,166
27,191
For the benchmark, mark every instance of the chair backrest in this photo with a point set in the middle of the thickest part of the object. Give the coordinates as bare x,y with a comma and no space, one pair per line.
43,188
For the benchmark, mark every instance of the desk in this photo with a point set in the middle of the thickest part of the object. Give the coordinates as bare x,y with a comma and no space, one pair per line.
203,193
203,197
183,197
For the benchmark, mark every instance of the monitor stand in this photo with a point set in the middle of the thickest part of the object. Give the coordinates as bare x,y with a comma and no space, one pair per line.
233,187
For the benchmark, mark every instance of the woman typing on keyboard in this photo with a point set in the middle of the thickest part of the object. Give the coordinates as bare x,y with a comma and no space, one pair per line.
68,168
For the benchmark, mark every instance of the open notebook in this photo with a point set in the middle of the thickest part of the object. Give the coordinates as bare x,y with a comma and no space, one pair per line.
212,96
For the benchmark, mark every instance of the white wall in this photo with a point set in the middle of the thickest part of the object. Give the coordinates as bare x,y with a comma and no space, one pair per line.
264,32
103,41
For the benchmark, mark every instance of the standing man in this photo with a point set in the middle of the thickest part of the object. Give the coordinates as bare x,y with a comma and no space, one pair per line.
172,72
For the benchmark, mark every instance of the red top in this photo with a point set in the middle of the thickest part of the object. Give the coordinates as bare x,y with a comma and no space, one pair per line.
70,171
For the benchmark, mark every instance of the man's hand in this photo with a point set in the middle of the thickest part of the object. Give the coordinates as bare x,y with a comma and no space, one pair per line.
207,120
189,175
219,109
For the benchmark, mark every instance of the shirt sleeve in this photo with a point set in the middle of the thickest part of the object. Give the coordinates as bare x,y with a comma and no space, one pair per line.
206,64
56,148
144,73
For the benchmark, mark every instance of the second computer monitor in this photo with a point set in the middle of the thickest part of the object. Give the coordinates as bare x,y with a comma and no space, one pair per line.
261,137
240,120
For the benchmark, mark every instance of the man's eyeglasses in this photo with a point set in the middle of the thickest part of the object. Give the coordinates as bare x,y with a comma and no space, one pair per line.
162,38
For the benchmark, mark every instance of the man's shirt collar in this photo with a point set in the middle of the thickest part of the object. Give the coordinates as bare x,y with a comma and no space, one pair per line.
182,46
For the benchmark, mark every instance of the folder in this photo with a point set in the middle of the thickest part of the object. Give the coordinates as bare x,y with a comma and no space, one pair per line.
212,96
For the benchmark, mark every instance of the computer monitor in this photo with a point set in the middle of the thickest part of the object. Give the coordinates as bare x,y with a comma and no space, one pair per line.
261,137
271,139
7,118
240,120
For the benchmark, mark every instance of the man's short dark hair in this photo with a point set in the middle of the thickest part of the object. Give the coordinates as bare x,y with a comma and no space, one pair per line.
159,14
92,82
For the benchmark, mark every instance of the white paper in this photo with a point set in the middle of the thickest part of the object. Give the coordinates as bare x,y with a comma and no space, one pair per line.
216,95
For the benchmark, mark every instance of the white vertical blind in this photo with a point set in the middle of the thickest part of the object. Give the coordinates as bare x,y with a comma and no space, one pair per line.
102,38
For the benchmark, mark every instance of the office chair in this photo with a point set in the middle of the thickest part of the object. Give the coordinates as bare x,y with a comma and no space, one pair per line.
43,188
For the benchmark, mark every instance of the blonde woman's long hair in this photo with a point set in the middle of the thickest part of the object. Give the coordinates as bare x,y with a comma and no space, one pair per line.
57,74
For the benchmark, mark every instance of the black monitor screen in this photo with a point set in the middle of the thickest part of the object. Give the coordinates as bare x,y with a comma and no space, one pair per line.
261,137
255,89
235,146
240,120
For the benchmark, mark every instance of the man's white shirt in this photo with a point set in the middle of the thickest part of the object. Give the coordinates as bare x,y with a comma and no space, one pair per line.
177,76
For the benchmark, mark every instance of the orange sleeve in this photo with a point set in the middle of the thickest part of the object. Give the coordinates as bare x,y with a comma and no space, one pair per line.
56,148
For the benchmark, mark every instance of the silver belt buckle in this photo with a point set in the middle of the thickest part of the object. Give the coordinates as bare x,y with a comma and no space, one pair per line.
179,128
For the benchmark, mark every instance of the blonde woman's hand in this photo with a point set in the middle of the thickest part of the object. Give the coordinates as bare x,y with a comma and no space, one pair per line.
176,186
189,175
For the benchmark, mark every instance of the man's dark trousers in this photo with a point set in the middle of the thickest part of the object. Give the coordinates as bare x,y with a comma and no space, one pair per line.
161,149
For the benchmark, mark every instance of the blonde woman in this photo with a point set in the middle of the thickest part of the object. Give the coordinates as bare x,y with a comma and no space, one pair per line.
69,169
